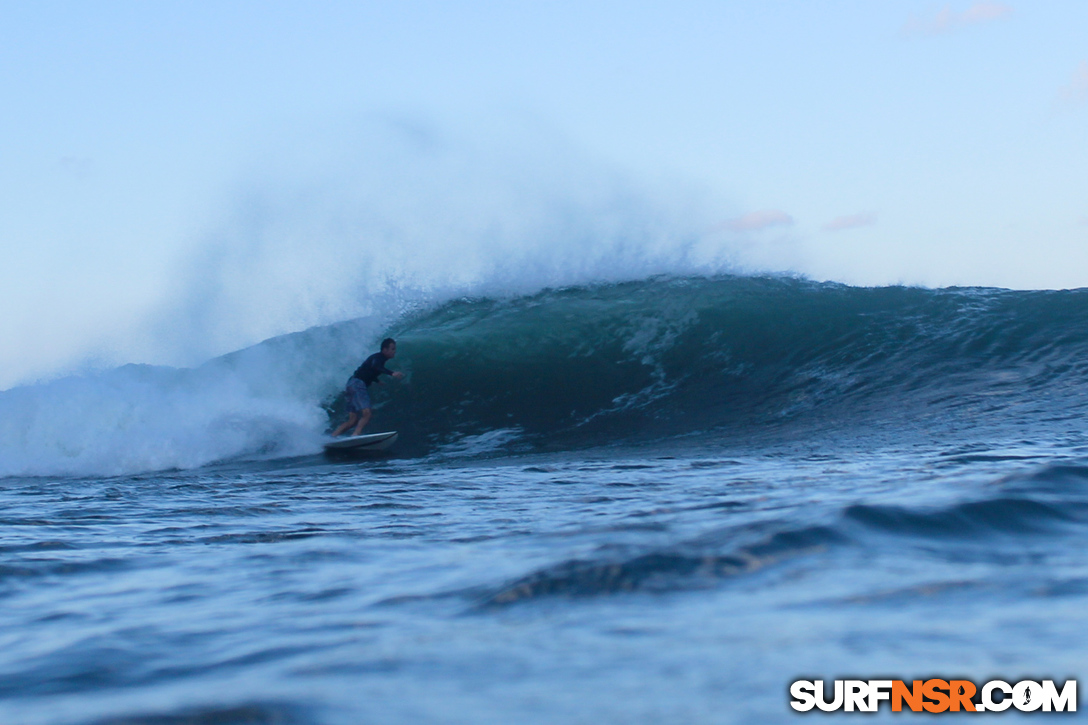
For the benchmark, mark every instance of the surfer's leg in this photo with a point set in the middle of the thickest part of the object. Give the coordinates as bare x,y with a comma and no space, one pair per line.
360,401
358,405
364,418
345,425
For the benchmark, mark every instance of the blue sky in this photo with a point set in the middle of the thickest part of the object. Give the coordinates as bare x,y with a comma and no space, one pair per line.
869,143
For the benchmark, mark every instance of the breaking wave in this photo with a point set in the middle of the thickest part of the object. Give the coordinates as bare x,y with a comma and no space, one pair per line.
584,366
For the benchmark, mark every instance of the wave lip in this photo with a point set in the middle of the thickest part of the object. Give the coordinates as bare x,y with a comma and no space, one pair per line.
250,714
973,520
1010,517
662,570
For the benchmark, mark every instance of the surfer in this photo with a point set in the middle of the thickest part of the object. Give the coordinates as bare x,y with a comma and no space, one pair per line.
360,380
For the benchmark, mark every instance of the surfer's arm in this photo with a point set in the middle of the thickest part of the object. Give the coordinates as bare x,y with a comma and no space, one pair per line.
396,375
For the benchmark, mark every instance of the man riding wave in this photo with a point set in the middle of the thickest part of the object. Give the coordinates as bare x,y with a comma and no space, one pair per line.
357,393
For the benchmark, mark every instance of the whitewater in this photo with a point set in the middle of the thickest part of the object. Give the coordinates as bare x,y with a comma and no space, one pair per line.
655,500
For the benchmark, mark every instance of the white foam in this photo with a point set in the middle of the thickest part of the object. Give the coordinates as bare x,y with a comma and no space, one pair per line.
260,402
367,230
480,444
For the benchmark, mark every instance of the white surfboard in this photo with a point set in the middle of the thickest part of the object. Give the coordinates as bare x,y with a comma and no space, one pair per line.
369,442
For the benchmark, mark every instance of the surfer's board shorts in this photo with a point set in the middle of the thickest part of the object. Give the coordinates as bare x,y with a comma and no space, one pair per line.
358,397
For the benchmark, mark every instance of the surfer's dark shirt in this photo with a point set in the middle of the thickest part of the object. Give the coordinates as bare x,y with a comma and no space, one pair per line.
371,368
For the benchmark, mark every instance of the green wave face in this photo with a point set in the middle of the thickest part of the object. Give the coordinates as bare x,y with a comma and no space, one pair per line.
669,356
736,358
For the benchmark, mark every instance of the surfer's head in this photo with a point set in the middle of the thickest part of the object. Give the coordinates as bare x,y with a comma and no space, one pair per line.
389,347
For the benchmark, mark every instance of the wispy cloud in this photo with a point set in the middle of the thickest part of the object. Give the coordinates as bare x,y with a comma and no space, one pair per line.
946,20
981,12
77,166
757,220
851,221
1077,91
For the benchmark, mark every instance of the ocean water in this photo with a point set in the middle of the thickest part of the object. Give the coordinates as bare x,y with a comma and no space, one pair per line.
660,501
